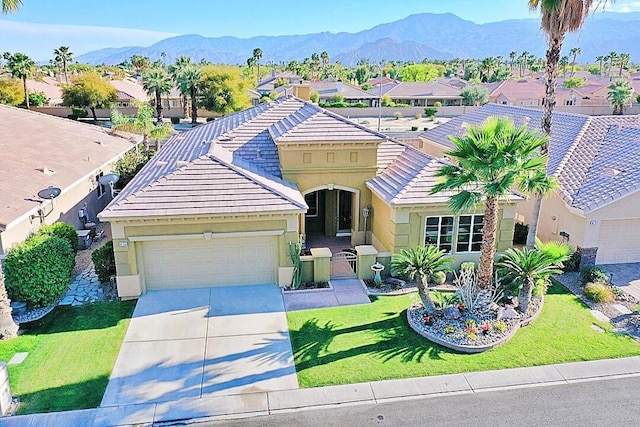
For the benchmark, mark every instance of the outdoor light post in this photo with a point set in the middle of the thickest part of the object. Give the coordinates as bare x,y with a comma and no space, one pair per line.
380,96
366,211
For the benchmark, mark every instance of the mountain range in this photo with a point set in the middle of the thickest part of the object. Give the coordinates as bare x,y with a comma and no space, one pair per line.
426,35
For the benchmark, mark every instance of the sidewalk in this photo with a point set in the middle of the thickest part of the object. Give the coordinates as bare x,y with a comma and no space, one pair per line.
266,403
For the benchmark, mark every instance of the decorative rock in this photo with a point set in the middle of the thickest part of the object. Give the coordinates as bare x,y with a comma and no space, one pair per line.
451,313
509,313
66,300
484,303
599,315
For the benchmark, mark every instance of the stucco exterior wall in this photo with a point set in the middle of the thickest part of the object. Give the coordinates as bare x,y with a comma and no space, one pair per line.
555,216
626,208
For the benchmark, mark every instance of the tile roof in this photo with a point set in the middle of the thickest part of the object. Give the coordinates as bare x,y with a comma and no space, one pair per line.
423,89
595,159
31,141
329,88
519,89
245,142
133,89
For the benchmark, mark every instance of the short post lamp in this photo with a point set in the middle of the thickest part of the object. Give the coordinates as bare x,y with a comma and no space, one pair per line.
366,211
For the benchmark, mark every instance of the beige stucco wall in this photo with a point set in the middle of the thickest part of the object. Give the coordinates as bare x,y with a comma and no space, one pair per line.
63,208
126,246
395,229
626,208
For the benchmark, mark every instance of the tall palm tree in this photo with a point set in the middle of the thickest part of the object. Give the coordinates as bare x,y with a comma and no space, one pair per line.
512,59
175,70
251,63
564,63
624,59
157,82
600,59
619,95
420,263
528,267
10,6
613,57
315,63
493,158
63,56
20,66
324,58
574,52
188,81
559,17
8,326
257,55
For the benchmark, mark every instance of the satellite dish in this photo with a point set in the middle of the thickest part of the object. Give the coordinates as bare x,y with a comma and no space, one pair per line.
49,193
109,179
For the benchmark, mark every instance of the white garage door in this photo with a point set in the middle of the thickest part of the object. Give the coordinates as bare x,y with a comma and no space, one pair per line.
619,241
176,264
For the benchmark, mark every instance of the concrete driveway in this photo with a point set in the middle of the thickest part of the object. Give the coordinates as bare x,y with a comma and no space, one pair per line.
203,342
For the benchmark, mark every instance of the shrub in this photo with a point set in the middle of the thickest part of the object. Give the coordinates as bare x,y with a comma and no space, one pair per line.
366,86
386,101
397,115
593,274
414,128
520,233
104,261
38,270
175,120
437,104
430,112
62,230
38,99
573,263
338,97
500,326
598,292
418,116
129,165
425,129
439,277
314,97
79,112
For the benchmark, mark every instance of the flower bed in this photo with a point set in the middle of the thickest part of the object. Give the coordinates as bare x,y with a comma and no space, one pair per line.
471,332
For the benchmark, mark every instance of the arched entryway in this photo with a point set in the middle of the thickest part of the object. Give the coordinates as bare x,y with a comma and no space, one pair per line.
333,213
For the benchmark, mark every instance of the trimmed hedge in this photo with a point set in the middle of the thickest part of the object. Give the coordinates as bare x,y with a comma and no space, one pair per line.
62,230
38,270
104,261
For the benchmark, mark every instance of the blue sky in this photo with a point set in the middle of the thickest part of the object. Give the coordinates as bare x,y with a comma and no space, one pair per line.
41,25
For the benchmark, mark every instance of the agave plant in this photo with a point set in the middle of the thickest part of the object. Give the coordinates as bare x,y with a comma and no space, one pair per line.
419,264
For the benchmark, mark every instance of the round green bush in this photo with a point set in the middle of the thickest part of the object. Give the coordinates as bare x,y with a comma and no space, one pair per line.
104,261
598,292
38,270
63,230
439,277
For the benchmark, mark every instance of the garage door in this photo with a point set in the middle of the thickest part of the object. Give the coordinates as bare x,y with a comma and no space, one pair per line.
619,241
176,264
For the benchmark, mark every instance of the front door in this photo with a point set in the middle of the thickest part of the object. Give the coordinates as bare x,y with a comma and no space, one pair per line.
345,200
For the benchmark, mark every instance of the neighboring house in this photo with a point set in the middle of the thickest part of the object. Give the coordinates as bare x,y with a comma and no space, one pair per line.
422,94
518,92
597,163
220,204
50,87
267,85
328,89
128,91
39,151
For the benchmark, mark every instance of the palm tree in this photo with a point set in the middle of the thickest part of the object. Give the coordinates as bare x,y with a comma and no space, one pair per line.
528,267
257,55
251,63
20,66
564,63
559,17
493,158
324,57
512,59
600,59
156,82
10,6
182,62
141,124
624,59
420,263
574,52
620,93
188,81
613,57
315,63
63,56
8,326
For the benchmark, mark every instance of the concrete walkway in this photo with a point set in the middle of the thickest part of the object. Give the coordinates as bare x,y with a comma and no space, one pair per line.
342,292
264,403
625,276
207,342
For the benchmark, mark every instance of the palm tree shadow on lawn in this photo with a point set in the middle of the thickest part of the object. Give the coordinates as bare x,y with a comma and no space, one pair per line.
391,338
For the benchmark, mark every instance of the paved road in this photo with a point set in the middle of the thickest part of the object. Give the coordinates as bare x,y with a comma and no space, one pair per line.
612,402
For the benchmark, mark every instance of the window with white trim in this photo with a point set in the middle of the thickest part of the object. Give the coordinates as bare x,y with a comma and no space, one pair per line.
439,232
469,237
312,201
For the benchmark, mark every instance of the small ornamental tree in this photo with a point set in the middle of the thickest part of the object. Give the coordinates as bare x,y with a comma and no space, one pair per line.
89,90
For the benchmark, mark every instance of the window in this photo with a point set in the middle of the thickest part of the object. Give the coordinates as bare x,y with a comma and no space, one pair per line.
101,188
469,237
439,232
312,202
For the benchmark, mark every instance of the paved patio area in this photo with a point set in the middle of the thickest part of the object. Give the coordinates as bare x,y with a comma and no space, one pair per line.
625,276
344,292
206,342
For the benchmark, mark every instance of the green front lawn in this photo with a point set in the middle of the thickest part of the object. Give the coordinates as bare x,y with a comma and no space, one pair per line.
373,342
71,353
